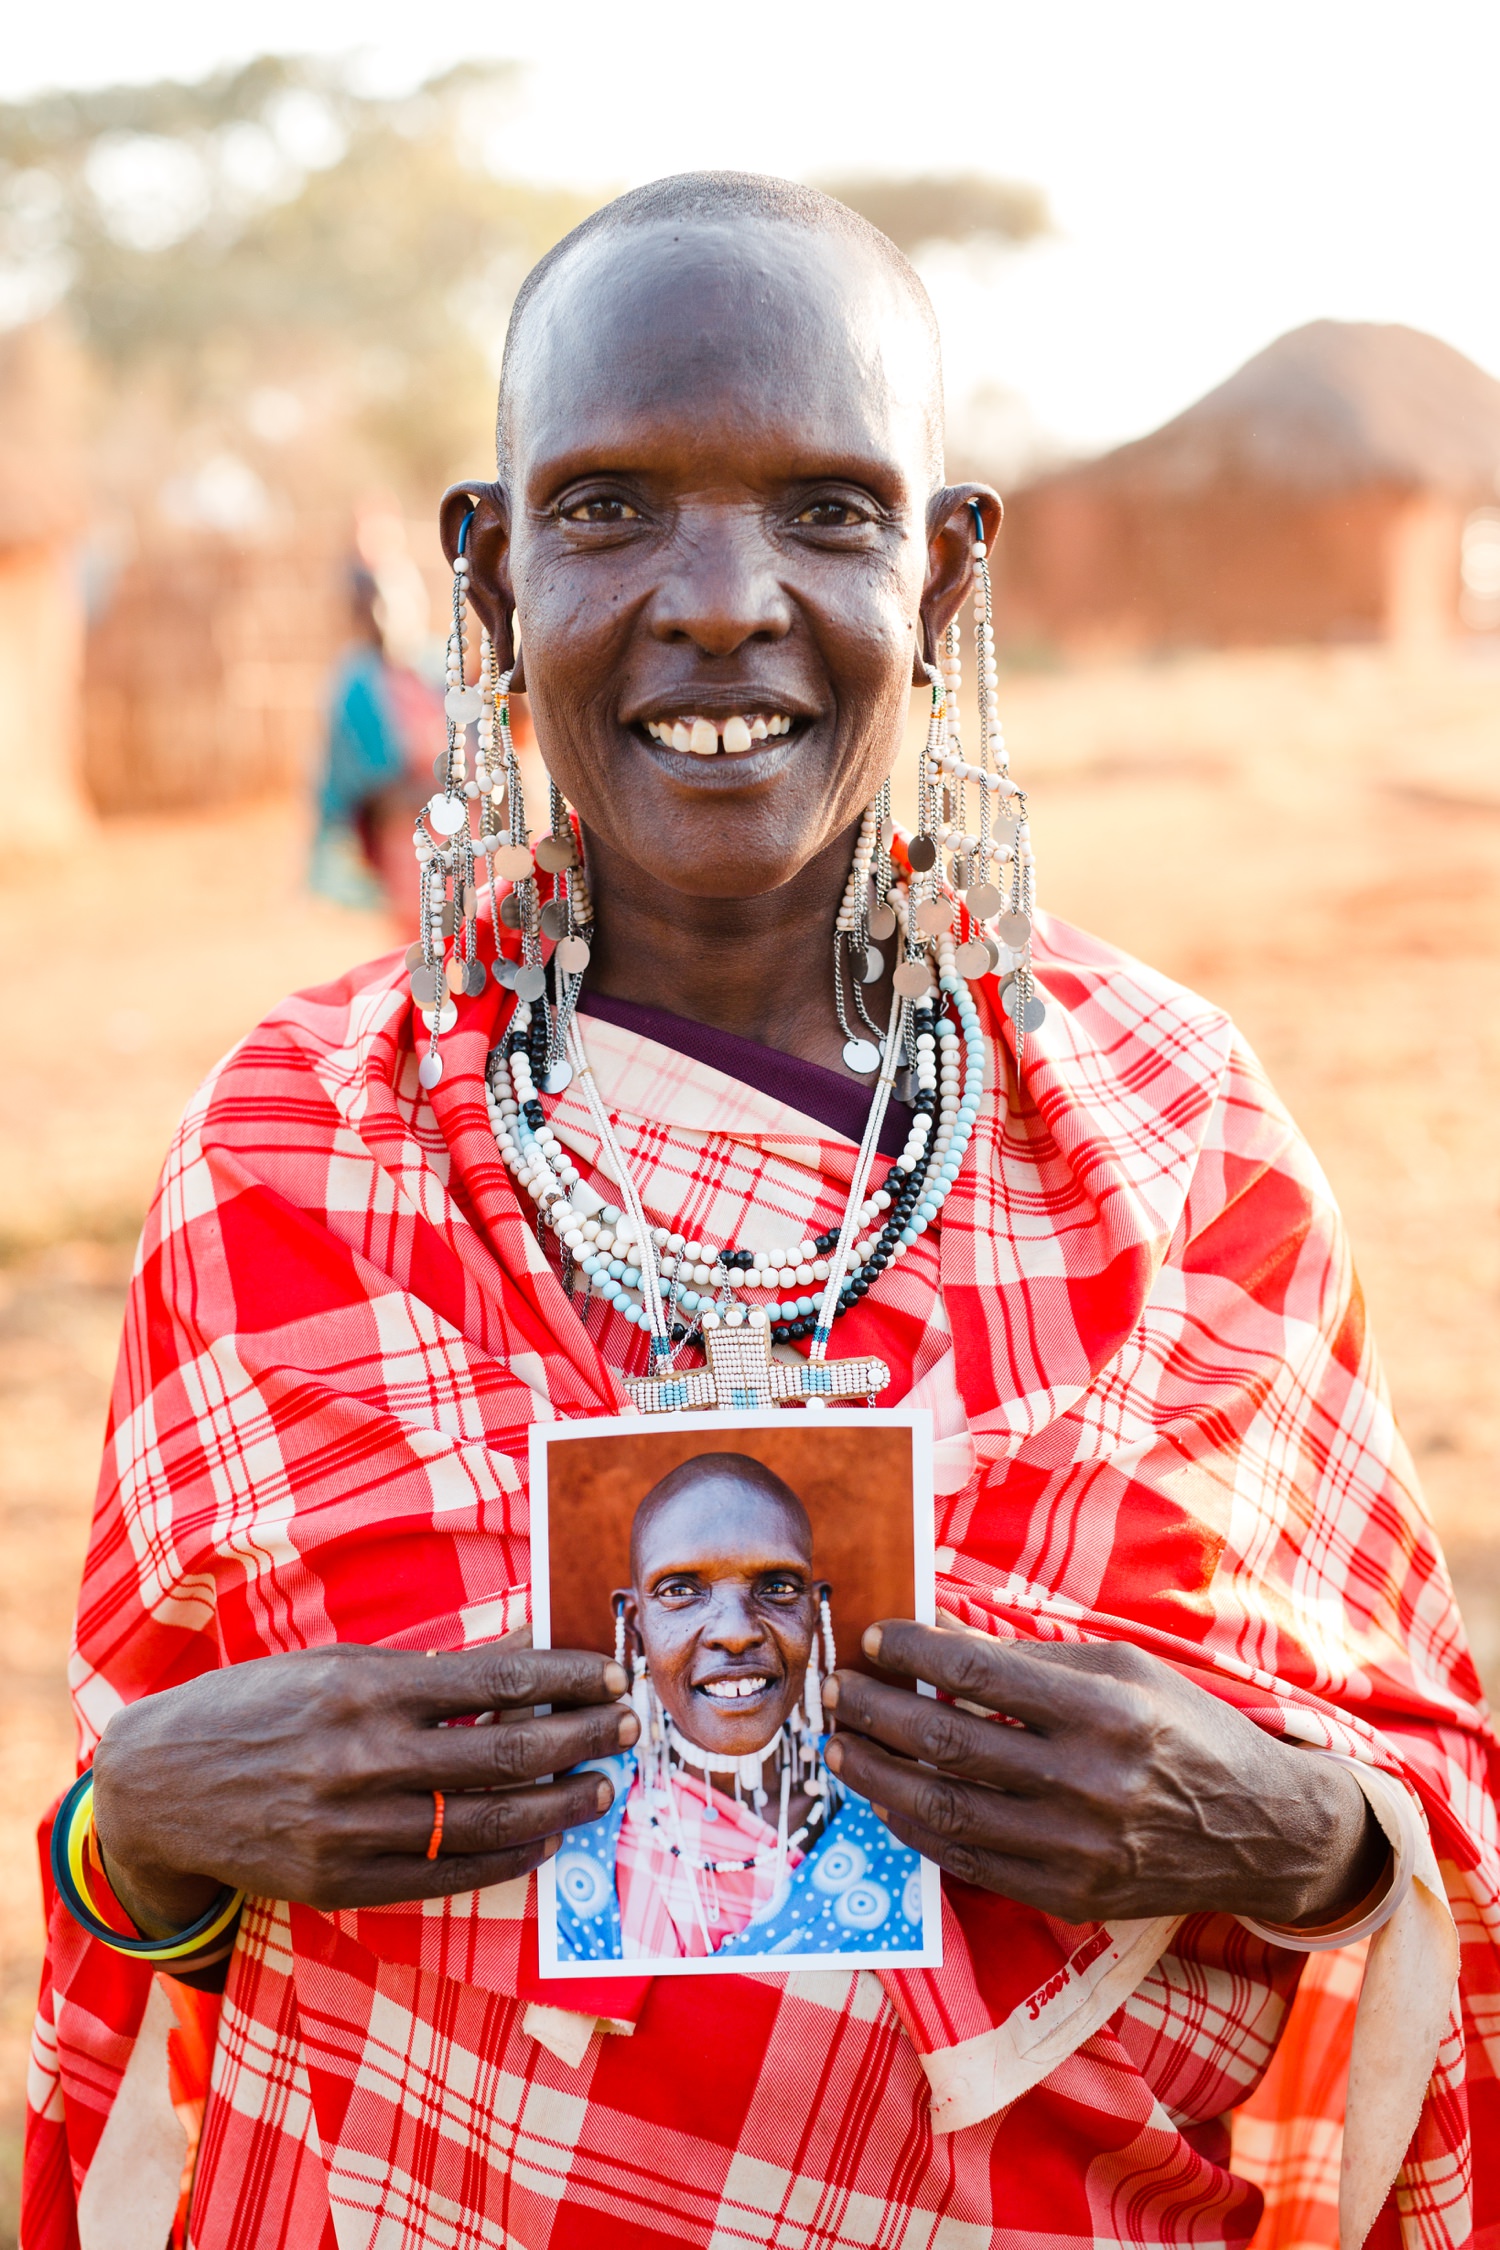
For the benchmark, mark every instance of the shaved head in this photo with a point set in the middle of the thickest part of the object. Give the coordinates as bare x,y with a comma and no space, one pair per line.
716,1479
720,495
735,205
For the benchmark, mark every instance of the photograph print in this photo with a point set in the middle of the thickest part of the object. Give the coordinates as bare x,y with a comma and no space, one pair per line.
730,1562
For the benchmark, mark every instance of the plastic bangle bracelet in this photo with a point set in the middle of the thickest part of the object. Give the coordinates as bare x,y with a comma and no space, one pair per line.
1394,1810
70,1873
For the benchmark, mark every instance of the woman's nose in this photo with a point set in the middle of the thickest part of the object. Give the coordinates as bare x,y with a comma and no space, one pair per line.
722,588
733,1624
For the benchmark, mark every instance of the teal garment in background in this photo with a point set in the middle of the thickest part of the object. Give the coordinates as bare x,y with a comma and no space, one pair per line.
364,755
365,752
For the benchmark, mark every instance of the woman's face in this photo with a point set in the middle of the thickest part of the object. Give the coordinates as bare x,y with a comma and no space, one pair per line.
725,1607
716,510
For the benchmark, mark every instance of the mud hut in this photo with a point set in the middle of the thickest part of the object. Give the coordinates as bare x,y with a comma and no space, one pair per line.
41,617
1339,486
207,665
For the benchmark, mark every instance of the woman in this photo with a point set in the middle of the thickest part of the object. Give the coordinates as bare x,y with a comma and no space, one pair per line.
727,1835
1180,1554
384,730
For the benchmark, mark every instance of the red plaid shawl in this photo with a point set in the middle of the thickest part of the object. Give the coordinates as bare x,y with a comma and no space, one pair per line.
1162,1422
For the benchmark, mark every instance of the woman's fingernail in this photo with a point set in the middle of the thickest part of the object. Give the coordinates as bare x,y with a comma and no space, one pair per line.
615,1680
870,1643
604,1795
881,1814
552,1845
627,1730
830,1695
834,1755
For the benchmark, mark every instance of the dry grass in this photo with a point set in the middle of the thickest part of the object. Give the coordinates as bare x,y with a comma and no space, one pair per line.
1313,840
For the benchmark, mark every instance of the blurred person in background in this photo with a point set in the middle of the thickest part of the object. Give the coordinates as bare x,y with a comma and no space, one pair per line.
386,736
385,728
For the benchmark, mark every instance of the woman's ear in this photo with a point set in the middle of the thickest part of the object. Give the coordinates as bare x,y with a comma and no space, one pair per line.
950,560
478,515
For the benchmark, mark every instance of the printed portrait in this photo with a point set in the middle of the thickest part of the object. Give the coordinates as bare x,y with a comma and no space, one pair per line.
731,1563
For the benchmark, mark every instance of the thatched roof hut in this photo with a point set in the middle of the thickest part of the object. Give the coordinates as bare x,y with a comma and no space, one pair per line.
1322,492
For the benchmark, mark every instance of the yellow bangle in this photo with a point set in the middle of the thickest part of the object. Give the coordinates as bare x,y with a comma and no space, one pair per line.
70,1836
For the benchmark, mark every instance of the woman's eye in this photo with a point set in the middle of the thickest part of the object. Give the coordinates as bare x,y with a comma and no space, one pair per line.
601,510
677,1589
832,515
783,1589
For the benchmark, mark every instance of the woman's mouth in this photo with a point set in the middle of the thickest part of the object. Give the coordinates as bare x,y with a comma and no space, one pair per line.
737,1688
725,737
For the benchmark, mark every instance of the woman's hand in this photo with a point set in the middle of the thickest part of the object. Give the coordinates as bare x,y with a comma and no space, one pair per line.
311,1776
1121,1791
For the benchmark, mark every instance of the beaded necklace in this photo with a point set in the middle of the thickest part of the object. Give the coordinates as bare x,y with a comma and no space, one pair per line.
764,1858
651,1274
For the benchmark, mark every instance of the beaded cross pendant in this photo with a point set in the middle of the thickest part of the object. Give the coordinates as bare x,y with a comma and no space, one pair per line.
742,1373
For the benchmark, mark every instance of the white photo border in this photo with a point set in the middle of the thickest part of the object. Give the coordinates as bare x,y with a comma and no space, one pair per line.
917,1419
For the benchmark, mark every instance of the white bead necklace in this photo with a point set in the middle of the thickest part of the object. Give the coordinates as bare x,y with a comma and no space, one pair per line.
652,1273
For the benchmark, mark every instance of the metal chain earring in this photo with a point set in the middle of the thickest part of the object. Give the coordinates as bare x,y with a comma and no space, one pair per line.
1008,836
566,916
507,848
991,874
854,952
564,920
444,847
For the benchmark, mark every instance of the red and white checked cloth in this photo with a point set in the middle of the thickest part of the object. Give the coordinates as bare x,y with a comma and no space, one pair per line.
1159,1419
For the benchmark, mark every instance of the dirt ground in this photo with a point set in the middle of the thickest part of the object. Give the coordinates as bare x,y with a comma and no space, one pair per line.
1313,839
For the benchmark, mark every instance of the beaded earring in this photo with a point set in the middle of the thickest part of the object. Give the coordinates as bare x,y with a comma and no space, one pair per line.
854,951
497,783
990,874
825,1627
1012,845
511,859
563,918
446,850
444,847
815,1720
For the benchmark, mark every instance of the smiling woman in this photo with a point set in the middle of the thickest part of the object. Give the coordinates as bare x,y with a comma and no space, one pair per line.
1206,1707
662,595
728,1836
722,1602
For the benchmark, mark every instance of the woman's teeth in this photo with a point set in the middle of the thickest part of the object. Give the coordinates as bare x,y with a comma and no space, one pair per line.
702,737
728,1691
